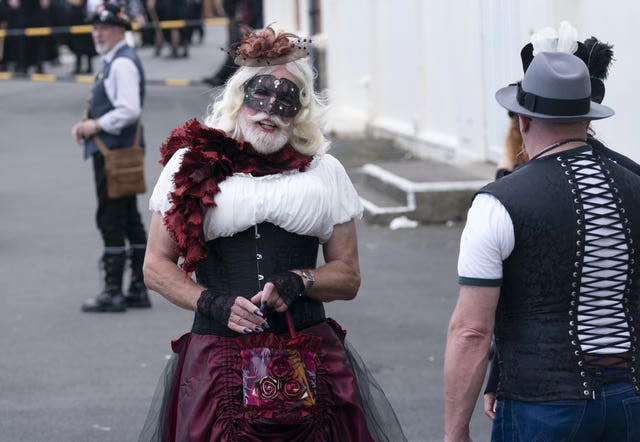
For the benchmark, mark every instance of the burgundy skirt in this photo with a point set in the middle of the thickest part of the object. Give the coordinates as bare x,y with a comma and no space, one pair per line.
203,398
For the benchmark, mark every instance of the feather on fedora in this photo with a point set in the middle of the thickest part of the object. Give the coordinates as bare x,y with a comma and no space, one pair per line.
555,87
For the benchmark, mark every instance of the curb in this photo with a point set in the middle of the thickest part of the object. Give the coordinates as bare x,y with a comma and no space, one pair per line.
426,202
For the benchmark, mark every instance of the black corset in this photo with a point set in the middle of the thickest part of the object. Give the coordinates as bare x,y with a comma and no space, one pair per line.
240,265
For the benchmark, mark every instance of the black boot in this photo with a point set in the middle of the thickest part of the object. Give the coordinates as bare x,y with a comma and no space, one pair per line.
137,295
111,298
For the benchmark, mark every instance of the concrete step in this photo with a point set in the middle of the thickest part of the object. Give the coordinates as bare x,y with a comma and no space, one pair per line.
442,193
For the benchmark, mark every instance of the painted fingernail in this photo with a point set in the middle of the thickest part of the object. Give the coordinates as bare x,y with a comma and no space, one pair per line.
263,305
265,325
246,330
259,329
257,312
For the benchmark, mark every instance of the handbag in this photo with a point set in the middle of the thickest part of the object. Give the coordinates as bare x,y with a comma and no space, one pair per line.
124,168
279,375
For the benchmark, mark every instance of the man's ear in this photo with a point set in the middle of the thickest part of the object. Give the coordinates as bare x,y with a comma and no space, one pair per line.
524,123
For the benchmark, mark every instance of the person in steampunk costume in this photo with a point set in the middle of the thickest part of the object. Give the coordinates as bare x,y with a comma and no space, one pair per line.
554,276
597,56
113,114
245,200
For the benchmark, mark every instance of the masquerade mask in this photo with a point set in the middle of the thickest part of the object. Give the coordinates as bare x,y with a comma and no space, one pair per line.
273,95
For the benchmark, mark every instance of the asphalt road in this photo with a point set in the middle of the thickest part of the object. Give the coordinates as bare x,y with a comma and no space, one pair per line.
70,376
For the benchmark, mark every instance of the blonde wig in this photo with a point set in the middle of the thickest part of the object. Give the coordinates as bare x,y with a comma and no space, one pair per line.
307,137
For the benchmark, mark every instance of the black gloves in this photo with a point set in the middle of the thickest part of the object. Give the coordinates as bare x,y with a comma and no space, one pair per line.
289,286
216,307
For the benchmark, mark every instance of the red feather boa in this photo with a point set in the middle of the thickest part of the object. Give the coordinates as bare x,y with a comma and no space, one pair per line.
211,158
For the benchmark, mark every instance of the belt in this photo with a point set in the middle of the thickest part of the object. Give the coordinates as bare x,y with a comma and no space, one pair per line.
617,360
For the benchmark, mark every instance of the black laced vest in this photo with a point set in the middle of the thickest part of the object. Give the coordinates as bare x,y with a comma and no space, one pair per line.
556,294
240,264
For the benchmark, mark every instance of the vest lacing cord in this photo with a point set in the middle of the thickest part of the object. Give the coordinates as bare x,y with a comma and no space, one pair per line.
603,270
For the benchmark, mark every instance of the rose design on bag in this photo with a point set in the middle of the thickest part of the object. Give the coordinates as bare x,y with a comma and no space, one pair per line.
280,367
267,388
293,389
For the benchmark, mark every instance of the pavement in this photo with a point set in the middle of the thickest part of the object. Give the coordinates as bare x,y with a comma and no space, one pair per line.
68,376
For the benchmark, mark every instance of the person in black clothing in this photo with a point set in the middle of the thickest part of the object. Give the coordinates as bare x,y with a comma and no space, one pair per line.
27,52
173,10
241,14
598,57
81,44
549,264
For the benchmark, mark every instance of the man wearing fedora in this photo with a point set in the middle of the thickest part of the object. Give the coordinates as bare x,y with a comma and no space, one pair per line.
549,263
113,114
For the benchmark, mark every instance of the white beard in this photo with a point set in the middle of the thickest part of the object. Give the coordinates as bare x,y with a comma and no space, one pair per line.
264,142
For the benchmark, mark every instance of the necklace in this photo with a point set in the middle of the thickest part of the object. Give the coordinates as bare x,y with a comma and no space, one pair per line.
554,145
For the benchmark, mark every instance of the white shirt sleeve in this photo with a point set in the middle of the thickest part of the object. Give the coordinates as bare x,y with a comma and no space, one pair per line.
486,241
159,201
122,86
346,202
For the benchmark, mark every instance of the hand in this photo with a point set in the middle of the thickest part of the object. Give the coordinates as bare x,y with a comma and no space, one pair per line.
269,297
245,317
464,439
280,291
239,313
490,405
84,129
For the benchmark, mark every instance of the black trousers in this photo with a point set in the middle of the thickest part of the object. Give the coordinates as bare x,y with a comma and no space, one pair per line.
118,219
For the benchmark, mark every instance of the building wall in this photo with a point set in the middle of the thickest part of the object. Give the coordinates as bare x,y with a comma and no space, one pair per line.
424,72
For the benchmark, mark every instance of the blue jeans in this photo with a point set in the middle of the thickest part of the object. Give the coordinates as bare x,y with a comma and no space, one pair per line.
614,415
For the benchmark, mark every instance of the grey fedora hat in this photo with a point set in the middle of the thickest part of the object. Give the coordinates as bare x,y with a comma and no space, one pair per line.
556,87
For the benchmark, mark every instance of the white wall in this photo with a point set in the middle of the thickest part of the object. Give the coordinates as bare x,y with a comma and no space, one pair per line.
424,72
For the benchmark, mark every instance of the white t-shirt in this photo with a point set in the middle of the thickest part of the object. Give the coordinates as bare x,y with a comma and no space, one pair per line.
487,240
306,203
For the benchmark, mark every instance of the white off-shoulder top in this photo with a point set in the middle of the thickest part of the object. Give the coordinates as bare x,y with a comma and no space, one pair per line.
306,203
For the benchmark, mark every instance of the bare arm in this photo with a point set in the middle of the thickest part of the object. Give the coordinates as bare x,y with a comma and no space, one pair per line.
466,355
161,272
337,279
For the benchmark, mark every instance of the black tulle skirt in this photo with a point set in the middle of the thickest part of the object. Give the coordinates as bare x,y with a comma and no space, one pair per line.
351,406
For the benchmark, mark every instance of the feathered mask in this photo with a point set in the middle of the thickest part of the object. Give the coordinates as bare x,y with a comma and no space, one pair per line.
268,48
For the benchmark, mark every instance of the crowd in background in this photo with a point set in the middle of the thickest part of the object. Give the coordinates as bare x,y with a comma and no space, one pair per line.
23,54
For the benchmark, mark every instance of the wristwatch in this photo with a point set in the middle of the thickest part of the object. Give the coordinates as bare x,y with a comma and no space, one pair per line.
306,274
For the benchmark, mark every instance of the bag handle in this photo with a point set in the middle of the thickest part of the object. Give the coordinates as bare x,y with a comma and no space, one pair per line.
104,150
290,325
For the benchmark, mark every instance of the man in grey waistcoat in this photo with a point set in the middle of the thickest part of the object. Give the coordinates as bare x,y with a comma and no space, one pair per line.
113,114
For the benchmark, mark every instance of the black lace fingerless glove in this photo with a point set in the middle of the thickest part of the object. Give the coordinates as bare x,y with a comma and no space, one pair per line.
215,307
289,286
